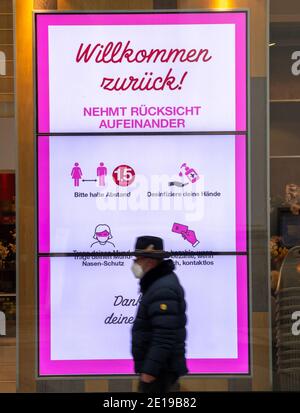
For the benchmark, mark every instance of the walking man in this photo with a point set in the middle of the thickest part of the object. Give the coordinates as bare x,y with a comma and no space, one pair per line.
159,332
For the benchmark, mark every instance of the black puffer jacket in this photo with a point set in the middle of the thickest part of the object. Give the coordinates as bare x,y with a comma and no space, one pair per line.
158,333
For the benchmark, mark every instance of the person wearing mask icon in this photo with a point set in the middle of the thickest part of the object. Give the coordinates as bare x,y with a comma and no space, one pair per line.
102,236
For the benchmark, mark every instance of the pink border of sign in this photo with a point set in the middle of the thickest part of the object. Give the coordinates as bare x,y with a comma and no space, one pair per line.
43,147
46,20
48,367
97,367
241,192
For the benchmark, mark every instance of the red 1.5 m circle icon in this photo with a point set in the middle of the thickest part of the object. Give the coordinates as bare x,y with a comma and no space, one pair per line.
123,175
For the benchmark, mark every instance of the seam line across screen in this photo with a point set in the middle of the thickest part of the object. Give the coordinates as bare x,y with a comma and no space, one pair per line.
140,133
132,254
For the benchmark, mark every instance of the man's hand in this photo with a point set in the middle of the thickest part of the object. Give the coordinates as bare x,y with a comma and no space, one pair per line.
146,378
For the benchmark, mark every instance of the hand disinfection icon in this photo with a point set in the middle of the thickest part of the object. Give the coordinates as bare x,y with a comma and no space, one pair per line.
190,173
186,173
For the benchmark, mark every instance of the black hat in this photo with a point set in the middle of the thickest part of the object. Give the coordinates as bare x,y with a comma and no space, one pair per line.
150,247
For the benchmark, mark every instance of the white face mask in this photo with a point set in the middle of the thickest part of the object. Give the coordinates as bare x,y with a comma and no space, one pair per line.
137,270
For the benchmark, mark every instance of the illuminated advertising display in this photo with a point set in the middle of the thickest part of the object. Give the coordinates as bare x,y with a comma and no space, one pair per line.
141,129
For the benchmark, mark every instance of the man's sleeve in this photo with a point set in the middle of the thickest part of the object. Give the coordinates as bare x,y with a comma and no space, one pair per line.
163,312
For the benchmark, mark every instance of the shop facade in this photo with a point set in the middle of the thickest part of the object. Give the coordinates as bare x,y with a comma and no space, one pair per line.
57,137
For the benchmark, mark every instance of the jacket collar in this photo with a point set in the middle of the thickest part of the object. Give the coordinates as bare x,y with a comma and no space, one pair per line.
164,268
